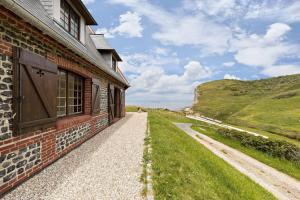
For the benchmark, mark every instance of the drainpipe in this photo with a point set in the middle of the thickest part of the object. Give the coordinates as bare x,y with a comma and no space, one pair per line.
16,8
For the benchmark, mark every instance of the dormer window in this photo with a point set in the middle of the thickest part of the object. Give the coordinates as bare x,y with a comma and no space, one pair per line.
114,64
69,19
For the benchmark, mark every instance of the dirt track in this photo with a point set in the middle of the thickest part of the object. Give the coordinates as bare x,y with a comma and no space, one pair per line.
279,184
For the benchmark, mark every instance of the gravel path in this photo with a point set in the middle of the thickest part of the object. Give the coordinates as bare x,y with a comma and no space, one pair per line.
220,124
279,184
108,166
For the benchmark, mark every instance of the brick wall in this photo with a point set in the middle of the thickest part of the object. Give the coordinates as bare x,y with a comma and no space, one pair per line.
24,155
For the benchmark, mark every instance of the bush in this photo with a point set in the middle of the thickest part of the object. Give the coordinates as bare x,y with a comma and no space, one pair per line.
275,148
285,95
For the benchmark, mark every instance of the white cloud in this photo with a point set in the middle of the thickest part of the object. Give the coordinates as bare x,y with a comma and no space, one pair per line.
281,70
182,29
161,51
88,1
264,51
222,9
105,31
229,64
153,85
130,26
195,71
231,77
276,31
285,11
139,62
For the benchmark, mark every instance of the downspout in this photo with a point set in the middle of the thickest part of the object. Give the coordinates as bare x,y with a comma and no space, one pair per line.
15,7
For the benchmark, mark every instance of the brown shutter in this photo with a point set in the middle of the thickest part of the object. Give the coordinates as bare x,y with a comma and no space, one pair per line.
123,103
111,103
35,90
96,96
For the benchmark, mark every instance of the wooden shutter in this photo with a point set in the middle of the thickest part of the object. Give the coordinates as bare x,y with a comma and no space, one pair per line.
111,103
35,90
122,103
96,92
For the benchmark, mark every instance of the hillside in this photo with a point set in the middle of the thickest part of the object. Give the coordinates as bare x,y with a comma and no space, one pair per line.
271,105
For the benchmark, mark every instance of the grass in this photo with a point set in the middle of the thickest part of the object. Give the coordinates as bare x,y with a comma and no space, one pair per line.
132,108
270,105
184,169
146,160
288,167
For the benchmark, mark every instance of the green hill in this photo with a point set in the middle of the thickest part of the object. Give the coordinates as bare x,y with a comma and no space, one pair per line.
271,105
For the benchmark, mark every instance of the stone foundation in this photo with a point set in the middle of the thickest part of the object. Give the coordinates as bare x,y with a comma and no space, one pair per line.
5,97
19,161
71,136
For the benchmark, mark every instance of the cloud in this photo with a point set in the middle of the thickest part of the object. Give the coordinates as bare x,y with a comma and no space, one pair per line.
228,64
285,11
88,1
266,50
138,62
180,29
161,51
153,85
105,31
281,70
130,26
231,77
221,9
276,31
195,71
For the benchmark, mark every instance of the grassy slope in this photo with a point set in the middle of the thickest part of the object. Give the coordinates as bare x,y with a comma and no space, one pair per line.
290,168
271,105
132,108
184,169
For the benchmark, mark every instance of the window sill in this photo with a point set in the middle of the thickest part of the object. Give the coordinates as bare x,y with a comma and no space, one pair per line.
70,121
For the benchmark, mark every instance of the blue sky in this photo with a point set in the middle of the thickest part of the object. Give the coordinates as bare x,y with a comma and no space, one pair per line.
169,47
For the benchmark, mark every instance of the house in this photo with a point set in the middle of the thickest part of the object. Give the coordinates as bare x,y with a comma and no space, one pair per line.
60,84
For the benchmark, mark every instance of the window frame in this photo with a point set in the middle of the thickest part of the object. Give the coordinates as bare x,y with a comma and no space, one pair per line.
71,12
67,113
114,61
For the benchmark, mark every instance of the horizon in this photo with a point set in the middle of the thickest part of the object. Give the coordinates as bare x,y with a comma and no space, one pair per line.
224,39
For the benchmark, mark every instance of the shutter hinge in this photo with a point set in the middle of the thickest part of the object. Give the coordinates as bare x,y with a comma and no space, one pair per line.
20,98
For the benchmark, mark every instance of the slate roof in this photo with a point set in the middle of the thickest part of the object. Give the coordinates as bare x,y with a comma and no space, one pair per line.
102,45
34,10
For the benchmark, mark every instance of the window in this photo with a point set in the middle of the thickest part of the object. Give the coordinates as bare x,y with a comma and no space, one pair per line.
69,19
69,94
114,64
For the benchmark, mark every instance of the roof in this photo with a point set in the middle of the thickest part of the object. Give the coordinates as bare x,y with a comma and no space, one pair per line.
122,75
89,19
33,12
102,45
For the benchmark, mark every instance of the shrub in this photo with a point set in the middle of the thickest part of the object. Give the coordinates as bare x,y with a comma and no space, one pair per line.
285,95
275,148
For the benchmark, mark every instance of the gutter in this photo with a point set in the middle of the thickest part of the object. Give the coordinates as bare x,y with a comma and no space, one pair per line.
13,6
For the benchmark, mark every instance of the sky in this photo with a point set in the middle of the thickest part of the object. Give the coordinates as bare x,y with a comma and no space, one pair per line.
169,47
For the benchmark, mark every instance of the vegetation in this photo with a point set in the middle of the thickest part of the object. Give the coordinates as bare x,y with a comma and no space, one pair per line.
274,148
184,169
146,160
270,105
278,154
133,108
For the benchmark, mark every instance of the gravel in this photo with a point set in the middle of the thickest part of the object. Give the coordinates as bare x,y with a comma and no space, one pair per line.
108,166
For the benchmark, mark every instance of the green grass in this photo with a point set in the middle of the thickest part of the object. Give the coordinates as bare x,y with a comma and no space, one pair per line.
184,169
271,105
288,167
132,108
